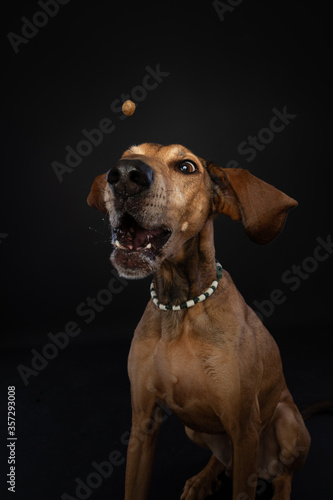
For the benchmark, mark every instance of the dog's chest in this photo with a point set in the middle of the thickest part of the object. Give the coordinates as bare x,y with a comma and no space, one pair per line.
187,380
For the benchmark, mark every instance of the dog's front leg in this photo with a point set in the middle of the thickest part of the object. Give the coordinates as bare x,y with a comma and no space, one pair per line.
245,462
140,453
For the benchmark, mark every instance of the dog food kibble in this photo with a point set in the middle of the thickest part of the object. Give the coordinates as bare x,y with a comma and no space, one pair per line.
128,108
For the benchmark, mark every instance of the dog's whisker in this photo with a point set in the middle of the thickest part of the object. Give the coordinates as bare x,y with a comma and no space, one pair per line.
96,231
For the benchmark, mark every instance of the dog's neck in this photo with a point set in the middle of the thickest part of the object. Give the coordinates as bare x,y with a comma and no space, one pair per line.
191,271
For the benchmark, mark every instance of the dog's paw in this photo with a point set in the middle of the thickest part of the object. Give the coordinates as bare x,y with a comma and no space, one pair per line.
200,487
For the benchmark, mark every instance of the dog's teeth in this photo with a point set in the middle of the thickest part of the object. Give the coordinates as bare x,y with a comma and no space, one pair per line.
119,245
148,246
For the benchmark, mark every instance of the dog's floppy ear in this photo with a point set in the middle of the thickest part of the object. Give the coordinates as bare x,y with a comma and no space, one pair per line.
96,197
259,206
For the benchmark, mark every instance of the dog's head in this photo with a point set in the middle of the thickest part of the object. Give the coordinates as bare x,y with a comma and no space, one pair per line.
158,197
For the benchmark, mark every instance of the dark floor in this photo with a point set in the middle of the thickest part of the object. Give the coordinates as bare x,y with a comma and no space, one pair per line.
77,412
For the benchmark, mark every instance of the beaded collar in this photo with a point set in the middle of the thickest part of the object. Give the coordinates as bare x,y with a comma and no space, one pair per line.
188,303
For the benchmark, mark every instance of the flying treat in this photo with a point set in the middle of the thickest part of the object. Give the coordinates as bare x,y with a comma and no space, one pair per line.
128,108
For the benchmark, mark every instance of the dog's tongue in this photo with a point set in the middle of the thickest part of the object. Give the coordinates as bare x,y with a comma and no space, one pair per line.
131,236
141,236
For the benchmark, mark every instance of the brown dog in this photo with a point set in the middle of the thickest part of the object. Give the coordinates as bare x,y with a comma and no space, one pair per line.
212,362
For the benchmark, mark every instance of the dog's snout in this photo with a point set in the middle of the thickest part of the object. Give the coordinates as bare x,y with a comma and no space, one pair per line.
130,177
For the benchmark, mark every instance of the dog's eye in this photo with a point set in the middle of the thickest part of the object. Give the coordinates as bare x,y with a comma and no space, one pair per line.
187,167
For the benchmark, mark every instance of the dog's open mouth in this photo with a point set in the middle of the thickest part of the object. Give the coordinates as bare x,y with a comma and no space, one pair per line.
132,237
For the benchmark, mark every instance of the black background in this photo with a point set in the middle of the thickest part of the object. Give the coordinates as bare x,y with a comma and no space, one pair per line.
224,79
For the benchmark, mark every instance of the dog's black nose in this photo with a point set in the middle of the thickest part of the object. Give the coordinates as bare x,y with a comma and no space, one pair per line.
130,177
